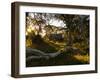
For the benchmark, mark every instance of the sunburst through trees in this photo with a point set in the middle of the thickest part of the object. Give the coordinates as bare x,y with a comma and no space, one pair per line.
56,39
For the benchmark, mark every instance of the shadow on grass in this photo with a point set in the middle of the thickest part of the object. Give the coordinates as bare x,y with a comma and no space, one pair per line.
65,58
62,59
40,44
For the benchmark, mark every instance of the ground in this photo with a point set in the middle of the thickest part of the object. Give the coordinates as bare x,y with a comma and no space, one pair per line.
68,57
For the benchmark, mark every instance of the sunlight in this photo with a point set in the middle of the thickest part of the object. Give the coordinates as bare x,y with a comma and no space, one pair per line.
52,33
83,58
26,33
58,23
29,30
43,33
33,28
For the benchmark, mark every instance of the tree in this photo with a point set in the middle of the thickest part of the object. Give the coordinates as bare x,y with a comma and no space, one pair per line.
75,24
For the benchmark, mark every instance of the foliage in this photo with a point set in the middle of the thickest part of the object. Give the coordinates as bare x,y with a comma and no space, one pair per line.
71,37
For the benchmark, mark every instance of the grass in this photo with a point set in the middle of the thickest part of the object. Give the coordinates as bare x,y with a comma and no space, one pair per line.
40,44
62,59
82,58
65,58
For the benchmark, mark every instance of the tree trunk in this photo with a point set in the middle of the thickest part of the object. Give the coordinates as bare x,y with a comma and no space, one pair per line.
69,39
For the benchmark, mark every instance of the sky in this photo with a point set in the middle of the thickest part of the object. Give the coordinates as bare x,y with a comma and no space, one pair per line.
53,21
57,23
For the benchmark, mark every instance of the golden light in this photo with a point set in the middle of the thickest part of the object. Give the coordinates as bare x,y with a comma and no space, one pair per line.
32,28
26,33
43,33
29,30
